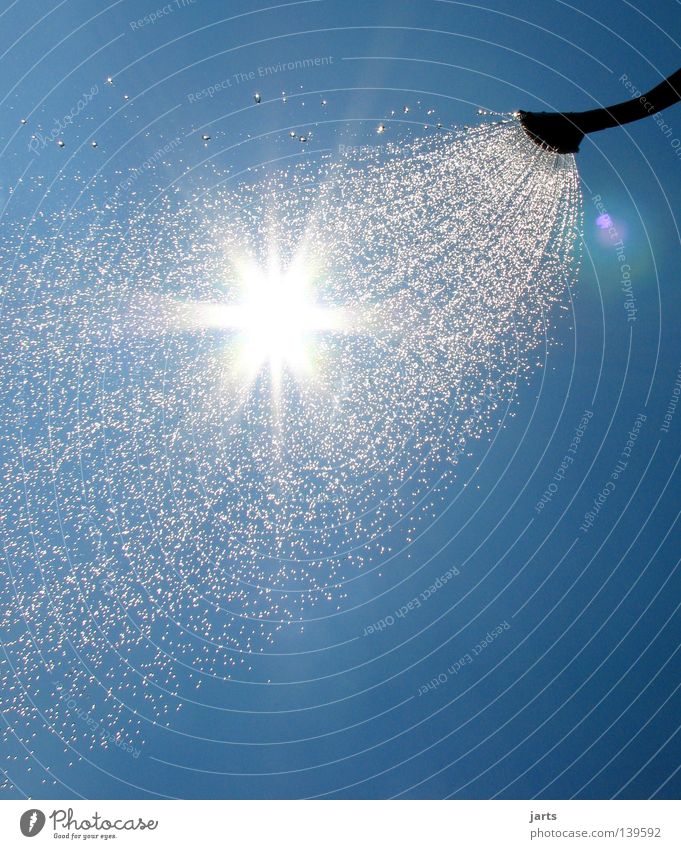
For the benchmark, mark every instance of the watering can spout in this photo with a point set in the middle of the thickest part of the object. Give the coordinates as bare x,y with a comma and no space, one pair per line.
562,132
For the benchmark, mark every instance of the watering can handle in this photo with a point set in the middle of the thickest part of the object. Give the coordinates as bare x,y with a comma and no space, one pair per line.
667,93
562,132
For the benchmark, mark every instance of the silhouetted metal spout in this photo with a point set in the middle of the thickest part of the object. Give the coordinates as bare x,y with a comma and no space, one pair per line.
562,132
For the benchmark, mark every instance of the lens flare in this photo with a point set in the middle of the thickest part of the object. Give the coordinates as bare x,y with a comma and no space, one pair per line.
274,322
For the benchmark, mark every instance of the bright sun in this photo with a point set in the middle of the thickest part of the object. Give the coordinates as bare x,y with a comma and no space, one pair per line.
277,320
274,321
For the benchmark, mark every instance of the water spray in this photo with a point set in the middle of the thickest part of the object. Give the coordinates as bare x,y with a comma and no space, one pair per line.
562,132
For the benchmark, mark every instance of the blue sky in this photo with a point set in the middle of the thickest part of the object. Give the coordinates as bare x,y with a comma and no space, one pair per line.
576,695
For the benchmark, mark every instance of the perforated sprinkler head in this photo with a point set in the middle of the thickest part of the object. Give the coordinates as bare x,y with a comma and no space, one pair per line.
562,132
552,131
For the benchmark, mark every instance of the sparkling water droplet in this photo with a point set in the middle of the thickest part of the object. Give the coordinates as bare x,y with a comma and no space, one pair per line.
435,336
257,97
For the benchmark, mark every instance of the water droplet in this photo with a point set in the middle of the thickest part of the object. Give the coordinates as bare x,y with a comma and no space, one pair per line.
405,110
24,121
109,80
93,143
257,97
60,143
205,137
380,128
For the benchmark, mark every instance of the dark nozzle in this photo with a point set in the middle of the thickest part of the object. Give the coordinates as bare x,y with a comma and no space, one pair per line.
562,132
552,130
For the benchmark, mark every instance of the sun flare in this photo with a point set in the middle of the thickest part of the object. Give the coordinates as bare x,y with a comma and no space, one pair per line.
274,322
277,320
